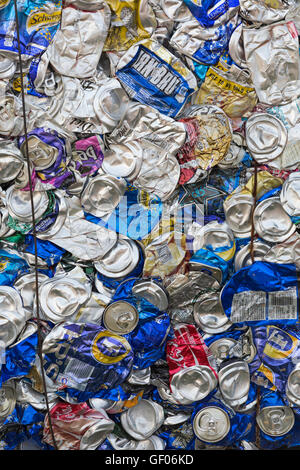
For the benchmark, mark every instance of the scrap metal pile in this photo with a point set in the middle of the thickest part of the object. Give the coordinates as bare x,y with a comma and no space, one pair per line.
149,224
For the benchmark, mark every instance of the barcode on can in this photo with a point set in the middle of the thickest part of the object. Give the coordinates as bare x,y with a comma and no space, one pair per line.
259,305
283,304
76,373
248,306
164,254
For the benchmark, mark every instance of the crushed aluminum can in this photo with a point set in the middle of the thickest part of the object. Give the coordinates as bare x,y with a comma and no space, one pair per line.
289,196
130,23
11,117
122,443
211,424
143,419
123,160
7,400
120,261
176,10
181,290
77,427
150,66
236,153
19,204
67,52
271,221
209,314
292,387
62,296
266,138
163,255
230,373
230,89
243,256
214,236
204,45
236,47
151,291
139,376
286,252
272,57
120,317
221,347
238,209
26,394
26,286
192,384
144,123
159,174
186,350
275,420
71,231
7,67
264,12
11,161
104,359
102,194
42,153
201,121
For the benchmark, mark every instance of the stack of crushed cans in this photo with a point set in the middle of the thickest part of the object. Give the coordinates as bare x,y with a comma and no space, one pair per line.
161,151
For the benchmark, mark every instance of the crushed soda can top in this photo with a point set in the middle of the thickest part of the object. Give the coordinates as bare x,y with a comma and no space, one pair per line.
231,372
120,317
271,221
193,384
211,424
276,420
142,420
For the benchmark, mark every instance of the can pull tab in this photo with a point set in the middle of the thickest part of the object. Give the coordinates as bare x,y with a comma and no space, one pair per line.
125,319
50,84
276,419
223,351
246,349
210,424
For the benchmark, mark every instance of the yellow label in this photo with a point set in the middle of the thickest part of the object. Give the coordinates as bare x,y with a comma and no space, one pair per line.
221,67
16,84
38,19
276,353
228,254
3,265
227,84
265,182
126,27
276,4
4,3
103,358
267,373
133,401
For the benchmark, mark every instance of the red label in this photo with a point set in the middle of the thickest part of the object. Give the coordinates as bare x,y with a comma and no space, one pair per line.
186,349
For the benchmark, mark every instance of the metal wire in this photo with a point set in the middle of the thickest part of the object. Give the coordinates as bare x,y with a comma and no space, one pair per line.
254,194
40,339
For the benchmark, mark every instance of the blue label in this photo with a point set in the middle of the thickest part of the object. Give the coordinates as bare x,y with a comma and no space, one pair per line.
154,82
208,11
38,21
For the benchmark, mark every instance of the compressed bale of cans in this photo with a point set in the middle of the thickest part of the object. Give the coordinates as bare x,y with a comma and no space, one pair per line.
149,224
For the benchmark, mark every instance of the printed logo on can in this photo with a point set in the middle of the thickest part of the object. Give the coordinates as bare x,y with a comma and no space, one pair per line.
40,18
158,74
108,348
280,344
